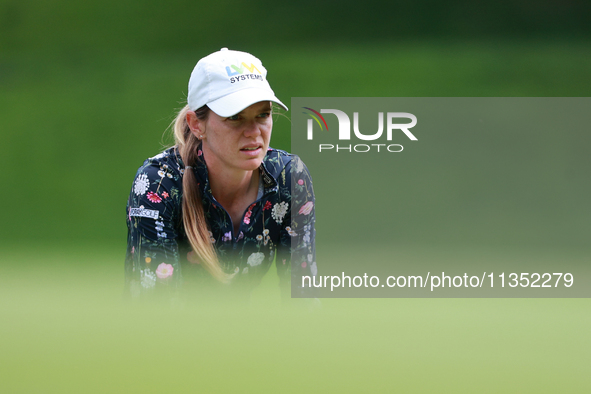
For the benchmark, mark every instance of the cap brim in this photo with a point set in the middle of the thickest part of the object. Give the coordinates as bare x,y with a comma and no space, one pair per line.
235,102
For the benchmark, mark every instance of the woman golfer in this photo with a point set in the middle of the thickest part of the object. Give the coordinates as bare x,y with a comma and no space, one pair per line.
220,206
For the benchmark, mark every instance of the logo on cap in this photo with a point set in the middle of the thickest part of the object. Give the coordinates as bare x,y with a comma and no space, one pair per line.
240,70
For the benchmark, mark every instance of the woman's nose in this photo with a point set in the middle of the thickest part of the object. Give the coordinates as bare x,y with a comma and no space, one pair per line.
251,129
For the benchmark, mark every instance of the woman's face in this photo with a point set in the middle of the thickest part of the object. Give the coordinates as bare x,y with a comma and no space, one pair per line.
238,142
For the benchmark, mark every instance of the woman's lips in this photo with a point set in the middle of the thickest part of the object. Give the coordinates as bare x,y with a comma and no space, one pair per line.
252,150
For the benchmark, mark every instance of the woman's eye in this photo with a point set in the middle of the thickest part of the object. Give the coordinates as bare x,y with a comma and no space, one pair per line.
265,115
234,117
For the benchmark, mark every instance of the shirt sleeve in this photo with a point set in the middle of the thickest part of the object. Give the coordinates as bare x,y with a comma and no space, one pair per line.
297,254
152,263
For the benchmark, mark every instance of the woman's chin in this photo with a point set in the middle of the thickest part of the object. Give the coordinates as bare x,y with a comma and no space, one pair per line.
251,164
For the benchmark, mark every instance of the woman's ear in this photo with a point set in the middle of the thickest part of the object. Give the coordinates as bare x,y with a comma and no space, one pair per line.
197,126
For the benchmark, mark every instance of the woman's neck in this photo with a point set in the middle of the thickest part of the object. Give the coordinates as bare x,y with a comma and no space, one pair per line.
231,186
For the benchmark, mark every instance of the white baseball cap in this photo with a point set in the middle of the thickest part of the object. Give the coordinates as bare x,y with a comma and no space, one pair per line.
229,81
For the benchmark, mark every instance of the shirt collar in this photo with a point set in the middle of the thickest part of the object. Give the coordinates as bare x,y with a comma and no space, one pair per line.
200,170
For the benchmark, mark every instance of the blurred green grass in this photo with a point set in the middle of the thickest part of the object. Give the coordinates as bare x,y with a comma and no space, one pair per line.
66,329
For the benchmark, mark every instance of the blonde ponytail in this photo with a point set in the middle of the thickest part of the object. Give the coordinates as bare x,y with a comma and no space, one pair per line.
194,220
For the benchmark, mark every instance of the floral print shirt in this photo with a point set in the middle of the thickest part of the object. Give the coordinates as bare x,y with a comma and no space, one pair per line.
278,226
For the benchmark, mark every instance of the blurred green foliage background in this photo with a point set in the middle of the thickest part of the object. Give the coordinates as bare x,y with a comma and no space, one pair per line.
87,90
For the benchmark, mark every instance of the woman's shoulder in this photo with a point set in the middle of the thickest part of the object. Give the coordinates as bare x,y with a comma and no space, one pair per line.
158,182
167,161
164,170
279,160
